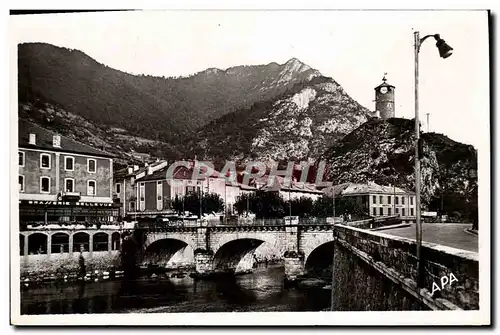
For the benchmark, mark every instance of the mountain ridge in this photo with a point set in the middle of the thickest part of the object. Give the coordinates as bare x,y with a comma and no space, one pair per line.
151,106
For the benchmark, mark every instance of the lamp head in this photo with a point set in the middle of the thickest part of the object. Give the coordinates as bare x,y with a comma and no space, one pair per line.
445,50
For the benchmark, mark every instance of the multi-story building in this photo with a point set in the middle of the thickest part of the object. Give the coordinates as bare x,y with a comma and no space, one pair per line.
153,191
125,184
62,180
377,200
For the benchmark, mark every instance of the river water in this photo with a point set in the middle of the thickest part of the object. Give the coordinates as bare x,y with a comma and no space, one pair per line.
263,291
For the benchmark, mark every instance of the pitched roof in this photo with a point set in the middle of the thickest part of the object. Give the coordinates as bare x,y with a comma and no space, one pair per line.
157,175
278,184
44,141
371,188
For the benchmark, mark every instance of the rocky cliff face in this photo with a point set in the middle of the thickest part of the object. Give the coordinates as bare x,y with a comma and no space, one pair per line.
383,151
299,125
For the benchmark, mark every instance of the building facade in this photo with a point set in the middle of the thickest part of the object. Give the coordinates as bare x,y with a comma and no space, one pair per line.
152,192
62,180
377,200
125,183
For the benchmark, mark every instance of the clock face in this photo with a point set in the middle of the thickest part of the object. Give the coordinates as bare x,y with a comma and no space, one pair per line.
383,90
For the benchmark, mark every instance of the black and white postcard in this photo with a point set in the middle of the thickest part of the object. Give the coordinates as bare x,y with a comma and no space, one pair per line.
257,167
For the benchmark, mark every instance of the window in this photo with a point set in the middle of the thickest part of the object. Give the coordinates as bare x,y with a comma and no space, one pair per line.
44,185
388,211
411,200
374,212
402,212
402,200
69,185
374,199
21,158
381,211
411,211
45,161
141,191
381,199
21,183
91,165
69,163
91,187
118,188
396,200
389,199
397,210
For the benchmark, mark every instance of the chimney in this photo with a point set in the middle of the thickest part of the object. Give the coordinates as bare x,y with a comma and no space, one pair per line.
136,167
33,139
129,170
150,170
56,141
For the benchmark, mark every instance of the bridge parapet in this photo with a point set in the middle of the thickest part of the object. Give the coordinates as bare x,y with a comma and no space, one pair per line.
382,275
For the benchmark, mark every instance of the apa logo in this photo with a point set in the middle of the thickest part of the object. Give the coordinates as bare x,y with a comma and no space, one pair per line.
445,280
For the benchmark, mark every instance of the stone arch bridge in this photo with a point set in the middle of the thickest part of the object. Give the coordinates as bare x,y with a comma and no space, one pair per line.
219,249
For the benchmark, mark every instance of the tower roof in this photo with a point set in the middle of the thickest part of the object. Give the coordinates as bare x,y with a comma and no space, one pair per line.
384,83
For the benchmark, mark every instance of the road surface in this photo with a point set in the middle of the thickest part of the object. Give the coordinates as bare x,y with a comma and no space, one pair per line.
449,234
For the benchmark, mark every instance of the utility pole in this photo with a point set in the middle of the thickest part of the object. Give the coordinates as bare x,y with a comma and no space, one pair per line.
248,203
333,201
394,200
428,125
225,203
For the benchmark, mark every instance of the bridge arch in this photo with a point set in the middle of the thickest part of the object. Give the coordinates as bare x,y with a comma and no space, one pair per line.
228,256
235,251
319,261
161,252
188,239
312,240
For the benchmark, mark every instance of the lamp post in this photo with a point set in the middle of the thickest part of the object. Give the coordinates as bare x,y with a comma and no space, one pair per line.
445,51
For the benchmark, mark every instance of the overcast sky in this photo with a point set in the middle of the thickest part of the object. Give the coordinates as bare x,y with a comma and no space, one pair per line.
355,48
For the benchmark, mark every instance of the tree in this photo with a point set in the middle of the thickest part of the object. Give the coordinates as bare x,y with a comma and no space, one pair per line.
210,203
262,204
302,207
323,207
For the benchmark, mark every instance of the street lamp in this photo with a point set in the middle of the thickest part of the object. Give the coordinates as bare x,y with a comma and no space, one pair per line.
445,51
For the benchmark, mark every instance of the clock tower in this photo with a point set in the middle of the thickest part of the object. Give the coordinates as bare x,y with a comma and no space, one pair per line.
384,99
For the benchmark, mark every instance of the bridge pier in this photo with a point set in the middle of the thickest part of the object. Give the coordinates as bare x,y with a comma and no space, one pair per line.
203,260
293,257
294,266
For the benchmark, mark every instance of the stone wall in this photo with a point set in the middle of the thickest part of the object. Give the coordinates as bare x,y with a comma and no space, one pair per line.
54,266
375,271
